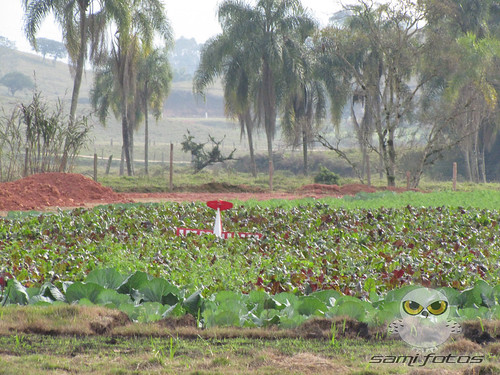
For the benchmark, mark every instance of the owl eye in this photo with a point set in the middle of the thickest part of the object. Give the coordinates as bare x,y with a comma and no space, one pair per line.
412,307
438,307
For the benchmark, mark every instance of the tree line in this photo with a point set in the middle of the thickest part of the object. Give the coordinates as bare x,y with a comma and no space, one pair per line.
406,72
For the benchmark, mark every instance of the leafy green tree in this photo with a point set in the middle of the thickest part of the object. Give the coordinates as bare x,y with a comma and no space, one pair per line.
6,43
200,158
184,58
468,51
135,33
266,34
83,23
304,102
16,81
52,48
154,81
222,58
392,33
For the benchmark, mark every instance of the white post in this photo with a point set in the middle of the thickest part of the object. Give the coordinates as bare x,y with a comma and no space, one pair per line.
218,224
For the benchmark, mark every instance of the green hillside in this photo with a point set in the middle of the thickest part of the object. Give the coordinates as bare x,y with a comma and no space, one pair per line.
182,110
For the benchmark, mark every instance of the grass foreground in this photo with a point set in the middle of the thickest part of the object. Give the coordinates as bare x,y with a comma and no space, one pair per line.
89,340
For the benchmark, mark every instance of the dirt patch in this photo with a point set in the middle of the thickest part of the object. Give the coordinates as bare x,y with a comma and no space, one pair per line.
43,190
47,190
305,363
322,328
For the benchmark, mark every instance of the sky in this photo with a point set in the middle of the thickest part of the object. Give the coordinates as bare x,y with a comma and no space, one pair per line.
189,18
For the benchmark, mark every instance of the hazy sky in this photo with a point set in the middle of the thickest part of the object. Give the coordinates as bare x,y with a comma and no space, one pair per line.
189,18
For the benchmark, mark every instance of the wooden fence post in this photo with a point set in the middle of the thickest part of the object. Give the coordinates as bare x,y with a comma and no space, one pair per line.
108,167
454,176
171,175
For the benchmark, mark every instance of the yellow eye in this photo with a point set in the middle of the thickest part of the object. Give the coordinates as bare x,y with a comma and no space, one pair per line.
412,307
438,307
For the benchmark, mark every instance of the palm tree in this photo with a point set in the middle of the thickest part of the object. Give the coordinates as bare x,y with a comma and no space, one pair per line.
469,52
473,92
267,34
220,57
83,23
304,103
135,33
154,77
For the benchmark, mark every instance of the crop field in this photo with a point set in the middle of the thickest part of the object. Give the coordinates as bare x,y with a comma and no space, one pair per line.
324,258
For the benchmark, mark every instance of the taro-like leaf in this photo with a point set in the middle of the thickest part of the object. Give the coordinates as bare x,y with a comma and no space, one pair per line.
65,285
39,299
275,320
250,320
496,293
381,316
495,312
471,313
352,309
15,293
287,299
309,305
49,290
271,303
227,318
134,281
269,313
481,294
398,294
193,303
293,321
32,292
85,302
328,296
111,298
79,290
227,295
159,290
256,300
147,312
452,295
176,310
108,278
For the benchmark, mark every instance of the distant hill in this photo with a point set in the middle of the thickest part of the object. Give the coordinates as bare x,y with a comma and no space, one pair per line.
182,110
54,80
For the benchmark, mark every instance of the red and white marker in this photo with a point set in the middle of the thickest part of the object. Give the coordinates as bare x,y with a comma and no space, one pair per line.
218,206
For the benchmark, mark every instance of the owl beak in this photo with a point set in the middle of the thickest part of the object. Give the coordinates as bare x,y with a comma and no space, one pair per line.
425,313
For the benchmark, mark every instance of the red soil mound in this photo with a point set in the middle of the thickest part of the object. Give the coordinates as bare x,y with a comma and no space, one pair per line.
54,189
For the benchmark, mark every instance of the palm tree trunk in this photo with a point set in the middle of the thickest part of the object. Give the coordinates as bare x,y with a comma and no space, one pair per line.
249,128
391,170
304,151
146,132
125,109
269,115
126,142
131,143
76,84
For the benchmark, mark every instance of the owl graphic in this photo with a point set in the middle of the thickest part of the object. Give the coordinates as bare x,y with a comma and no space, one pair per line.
424,322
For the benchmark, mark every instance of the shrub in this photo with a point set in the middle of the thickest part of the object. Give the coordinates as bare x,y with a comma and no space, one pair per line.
327,177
